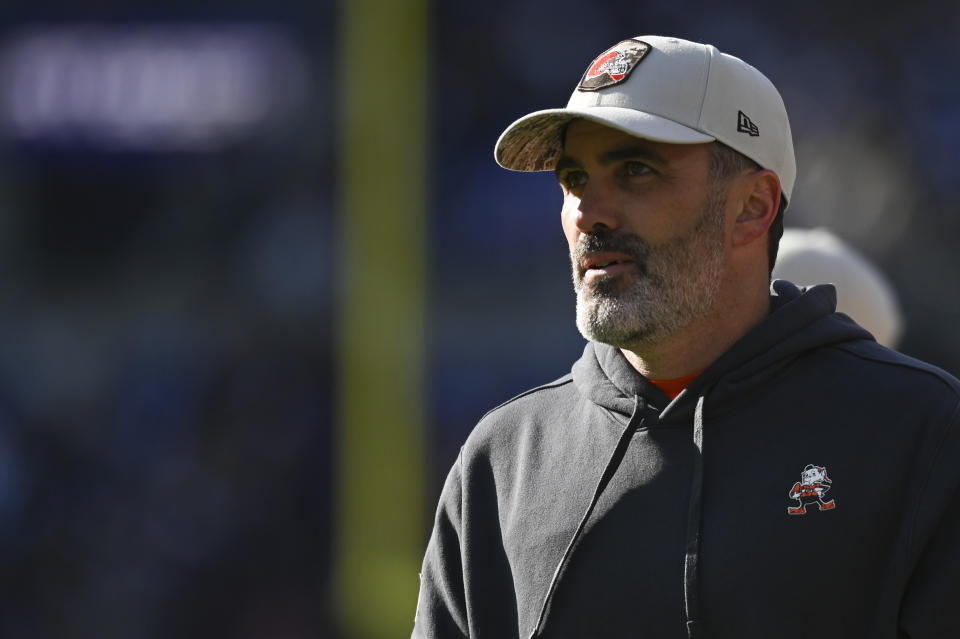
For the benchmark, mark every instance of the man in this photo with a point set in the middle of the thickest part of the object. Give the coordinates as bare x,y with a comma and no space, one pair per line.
727,458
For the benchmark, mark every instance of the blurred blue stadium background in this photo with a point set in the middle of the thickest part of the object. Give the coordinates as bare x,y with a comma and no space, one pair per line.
168,235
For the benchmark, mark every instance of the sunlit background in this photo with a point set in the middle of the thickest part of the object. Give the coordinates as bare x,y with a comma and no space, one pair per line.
260,275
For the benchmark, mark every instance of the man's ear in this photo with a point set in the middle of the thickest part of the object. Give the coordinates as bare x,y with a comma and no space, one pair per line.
760,200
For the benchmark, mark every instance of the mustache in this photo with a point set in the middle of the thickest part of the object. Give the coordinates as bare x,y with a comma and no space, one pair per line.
606,241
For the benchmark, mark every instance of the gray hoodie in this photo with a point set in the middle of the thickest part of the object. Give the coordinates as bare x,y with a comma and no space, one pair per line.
807,484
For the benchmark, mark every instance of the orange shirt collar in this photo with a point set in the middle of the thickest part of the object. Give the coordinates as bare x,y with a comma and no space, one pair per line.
672,387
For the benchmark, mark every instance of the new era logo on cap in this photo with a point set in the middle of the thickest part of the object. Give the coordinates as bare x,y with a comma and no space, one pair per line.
746,125
613,65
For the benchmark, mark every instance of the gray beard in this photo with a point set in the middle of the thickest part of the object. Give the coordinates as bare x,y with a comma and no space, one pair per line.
675,283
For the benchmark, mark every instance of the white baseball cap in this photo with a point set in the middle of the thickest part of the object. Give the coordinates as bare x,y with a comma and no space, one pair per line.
665,90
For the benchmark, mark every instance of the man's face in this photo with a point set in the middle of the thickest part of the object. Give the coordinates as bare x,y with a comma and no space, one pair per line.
646,229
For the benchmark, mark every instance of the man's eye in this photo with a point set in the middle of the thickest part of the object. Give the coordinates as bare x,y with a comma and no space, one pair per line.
573,179
637,168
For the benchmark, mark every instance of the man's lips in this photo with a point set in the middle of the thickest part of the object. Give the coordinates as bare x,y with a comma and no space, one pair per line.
598,265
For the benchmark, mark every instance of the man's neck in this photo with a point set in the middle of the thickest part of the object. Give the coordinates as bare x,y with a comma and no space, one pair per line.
693,348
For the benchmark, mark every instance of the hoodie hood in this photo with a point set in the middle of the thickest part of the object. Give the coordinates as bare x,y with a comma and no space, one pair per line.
800,320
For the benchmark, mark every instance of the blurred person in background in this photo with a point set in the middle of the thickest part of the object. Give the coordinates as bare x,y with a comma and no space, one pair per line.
813,256
728,458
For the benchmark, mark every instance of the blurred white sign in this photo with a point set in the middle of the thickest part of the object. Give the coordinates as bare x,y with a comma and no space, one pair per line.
148,87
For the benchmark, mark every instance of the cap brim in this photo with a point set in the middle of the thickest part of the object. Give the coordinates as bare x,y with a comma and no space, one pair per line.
533,143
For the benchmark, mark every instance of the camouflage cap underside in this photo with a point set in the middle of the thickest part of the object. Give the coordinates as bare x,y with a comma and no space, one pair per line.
534,145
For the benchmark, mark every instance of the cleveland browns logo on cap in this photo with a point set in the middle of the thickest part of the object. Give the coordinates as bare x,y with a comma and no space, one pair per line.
613,65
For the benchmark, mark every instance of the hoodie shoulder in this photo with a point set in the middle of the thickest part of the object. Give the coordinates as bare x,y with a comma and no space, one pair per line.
552,412
901,364
530,398
530,407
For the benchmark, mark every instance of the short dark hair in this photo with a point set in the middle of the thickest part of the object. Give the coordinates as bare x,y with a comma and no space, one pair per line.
726,163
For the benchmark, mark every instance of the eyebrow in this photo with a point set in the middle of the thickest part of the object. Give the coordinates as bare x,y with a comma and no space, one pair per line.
614,155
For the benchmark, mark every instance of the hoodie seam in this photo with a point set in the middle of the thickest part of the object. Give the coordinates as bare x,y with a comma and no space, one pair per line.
927,369
567,379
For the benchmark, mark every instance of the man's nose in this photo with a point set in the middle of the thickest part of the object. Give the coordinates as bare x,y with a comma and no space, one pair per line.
596,209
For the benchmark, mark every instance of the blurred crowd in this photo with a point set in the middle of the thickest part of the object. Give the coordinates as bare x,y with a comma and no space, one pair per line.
167,378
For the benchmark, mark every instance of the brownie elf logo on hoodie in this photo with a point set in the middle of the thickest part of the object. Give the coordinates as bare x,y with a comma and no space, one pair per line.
813,485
